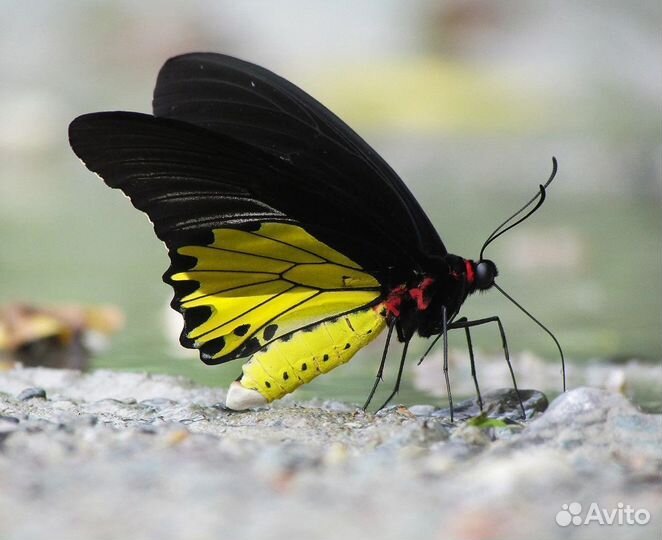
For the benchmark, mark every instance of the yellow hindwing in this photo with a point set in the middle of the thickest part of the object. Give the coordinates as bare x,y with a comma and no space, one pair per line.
260,286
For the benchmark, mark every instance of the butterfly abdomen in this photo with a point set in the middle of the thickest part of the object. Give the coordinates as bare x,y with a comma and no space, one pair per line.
286,363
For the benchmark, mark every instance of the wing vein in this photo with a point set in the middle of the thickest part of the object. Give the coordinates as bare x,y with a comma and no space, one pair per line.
230,289
245,312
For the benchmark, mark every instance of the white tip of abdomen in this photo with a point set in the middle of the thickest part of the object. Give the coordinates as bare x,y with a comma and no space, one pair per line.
240,398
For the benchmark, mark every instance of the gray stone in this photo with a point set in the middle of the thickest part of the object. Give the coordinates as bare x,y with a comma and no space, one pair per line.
136,456
501,404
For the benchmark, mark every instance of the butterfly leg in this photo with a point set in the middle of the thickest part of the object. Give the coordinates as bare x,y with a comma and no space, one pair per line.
467,324
396,388
472,361
444,333
473,368
380,372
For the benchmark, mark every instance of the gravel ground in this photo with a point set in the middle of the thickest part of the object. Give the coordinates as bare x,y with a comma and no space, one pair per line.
111,455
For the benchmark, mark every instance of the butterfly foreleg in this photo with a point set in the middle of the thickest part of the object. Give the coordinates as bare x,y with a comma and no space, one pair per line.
466,324
471,360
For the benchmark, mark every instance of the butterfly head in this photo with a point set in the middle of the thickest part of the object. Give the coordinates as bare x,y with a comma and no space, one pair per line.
484,274
476,276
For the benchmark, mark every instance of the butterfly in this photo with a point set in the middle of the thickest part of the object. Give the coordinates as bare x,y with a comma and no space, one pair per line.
292,243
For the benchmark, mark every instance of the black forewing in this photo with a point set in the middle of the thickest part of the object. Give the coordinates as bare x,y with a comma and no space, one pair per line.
190,180
172,172
251,104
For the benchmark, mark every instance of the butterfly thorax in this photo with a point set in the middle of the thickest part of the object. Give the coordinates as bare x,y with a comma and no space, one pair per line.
417,305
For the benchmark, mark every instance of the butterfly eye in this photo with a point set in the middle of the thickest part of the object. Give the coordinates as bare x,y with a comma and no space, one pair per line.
486,271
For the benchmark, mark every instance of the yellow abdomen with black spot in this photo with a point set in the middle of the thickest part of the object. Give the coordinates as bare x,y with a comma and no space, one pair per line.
286,363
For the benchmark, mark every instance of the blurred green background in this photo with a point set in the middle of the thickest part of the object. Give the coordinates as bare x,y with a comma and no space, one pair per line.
468,100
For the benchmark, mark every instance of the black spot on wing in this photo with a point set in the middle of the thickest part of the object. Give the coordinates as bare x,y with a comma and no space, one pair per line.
270,331
211,349
250,347
242,329
193,318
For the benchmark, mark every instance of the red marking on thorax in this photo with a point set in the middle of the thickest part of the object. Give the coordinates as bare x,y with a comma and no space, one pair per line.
394,300
419,294
471,275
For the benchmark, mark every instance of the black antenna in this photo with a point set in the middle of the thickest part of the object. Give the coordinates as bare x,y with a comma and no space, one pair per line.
541,198
539,324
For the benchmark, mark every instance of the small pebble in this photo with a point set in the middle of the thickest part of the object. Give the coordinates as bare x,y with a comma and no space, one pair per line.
193,419
177,437
158,403
470,435
8,424
64,405
336,454
30,393
422,410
